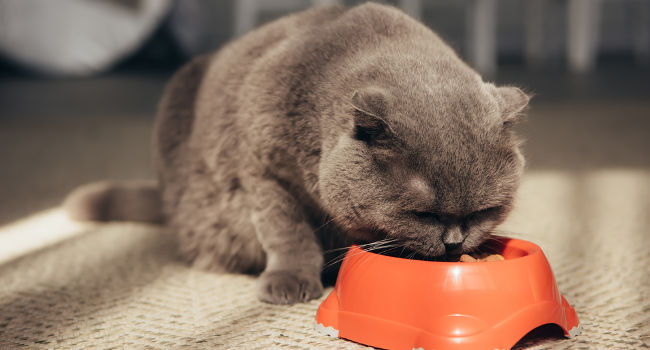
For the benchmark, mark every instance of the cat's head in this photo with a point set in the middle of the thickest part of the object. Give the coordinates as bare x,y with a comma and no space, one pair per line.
435,168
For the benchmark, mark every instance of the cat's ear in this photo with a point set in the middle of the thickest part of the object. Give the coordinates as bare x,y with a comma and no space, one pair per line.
370,111
513,103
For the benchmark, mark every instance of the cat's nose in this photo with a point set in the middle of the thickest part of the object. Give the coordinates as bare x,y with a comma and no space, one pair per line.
453,248
453,240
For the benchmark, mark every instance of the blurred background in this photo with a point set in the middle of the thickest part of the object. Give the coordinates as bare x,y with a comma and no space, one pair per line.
80,79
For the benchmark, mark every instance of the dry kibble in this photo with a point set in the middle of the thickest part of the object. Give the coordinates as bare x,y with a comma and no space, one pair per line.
467,258
493,257
484,257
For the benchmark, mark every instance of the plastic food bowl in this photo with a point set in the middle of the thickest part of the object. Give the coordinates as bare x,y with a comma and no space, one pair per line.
396,303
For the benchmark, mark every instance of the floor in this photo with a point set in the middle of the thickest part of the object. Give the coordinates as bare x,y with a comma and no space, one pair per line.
56,135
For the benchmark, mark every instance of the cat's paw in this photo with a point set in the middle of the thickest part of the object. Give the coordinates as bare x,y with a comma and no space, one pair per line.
288,287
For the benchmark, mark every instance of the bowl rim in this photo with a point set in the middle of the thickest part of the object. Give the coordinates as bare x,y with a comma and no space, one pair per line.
528,247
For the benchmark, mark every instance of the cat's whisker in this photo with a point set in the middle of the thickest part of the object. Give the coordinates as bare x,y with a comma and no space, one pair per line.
378,243
338,259
329,219
335,249
368,247
327,222
363,246
383,248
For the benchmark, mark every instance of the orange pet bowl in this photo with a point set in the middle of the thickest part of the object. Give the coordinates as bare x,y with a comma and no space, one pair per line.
396,303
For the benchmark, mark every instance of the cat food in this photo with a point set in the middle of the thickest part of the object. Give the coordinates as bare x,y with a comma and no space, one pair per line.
484,257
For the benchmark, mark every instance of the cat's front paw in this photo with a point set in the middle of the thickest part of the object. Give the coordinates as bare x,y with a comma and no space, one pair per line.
288,287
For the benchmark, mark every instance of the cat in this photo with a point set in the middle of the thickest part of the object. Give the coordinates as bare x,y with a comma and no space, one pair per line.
323,128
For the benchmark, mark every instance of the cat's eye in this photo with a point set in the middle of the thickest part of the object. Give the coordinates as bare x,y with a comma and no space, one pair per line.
484,213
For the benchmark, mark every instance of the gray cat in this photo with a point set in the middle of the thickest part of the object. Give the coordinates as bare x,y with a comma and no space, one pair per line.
323,128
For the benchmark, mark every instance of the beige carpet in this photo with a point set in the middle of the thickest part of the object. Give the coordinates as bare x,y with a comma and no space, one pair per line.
120,285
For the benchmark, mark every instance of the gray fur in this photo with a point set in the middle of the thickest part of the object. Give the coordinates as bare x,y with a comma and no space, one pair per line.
326,127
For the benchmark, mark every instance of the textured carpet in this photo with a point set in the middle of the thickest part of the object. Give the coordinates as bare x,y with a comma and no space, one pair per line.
121,286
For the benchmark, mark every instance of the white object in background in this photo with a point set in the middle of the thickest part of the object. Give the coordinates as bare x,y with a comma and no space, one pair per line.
583,18
75,37
482,35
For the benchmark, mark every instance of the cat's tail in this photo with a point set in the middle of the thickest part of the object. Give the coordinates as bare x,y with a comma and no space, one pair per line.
115,201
